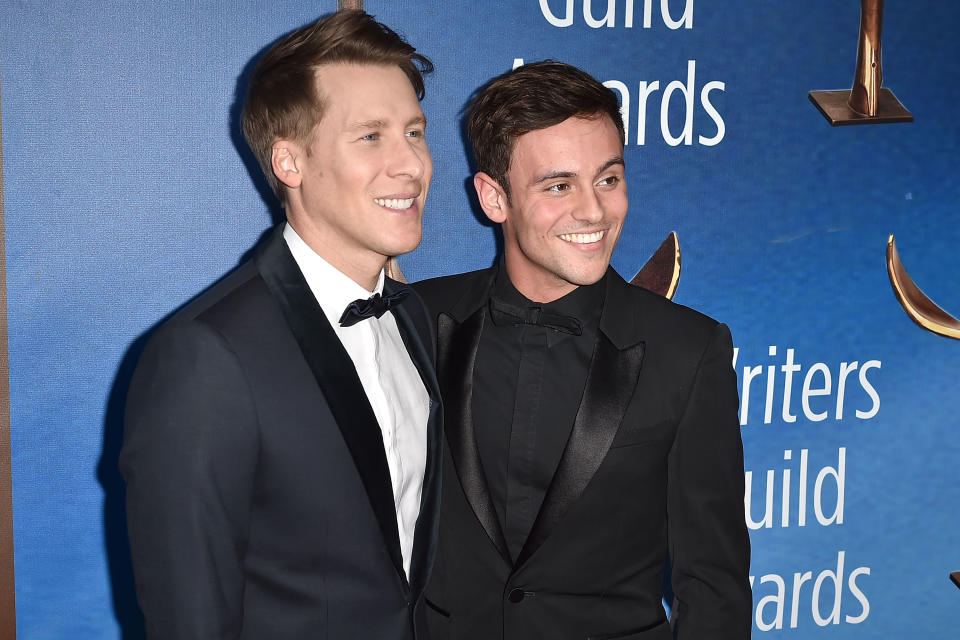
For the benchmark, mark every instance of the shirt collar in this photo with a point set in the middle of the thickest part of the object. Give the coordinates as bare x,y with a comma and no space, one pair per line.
580,303
332,288
585,303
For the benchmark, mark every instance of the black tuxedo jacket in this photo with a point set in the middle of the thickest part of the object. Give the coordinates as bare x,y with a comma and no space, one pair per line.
258,494
654,463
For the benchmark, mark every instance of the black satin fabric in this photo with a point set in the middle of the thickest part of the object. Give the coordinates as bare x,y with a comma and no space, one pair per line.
653,463
528,383
337,377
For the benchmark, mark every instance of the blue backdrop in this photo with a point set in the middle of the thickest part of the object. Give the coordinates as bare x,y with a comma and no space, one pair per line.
128,189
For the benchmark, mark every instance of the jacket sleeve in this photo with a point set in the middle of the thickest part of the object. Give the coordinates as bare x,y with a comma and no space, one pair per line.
709,543
189,456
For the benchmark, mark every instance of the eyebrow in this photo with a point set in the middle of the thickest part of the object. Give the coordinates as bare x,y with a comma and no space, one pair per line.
368,124
611,163
380,124
552,175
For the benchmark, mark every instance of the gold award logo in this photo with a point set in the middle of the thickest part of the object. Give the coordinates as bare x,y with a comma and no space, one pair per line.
867,102
921,309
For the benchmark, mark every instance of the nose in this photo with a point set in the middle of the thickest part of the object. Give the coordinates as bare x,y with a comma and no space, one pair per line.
409,159
589,209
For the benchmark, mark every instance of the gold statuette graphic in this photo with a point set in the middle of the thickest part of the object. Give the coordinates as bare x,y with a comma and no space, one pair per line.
868,102
661,273
918,306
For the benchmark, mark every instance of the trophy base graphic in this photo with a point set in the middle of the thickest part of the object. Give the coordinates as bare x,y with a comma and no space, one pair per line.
834,105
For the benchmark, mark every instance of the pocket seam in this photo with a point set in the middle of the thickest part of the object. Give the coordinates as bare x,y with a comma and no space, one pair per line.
436,608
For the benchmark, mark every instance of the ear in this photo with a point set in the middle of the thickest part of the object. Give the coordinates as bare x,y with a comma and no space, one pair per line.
493,199
283,161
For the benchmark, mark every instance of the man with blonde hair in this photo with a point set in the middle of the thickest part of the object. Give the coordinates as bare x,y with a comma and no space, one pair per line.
282,432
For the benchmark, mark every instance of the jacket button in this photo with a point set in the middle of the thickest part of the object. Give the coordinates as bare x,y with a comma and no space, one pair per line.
515,596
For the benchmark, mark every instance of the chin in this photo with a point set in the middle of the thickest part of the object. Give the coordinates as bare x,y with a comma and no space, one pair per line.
587,281
400,248
587,275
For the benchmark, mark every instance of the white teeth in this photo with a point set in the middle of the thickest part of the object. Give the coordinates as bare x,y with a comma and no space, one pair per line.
395,203
582,238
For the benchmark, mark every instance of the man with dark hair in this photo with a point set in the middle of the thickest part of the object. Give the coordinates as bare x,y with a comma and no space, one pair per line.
282,437
591,425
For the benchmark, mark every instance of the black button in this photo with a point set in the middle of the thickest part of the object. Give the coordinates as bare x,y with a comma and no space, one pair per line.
516,596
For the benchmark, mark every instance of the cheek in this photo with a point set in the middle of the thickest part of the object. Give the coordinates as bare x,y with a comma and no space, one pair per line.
618,208
427,160
335,180
354,173
543,220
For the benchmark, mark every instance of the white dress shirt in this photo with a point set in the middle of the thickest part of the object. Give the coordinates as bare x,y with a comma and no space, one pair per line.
391,381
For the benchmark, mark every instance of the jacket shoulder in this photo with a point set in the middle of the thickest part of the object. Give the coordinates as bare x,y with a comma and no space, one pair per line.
231,289
660,319
674,314
234,310
443,293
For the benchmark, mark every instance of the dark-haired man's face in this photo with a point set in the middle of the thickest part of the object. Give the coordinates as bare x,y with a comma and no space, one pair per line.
567,205
361,186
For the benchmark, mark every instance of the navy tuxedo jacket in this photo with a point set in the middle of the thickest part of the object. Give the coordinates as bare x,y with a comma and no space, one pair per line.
654,463
258,494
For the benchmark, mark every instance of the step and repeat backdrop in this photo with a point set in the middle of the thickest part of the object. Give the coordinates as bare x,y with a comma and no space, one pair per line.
127,189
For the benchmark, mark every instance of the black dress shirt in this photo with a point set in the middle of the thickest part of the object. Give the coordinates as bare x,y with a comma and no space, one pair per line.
528,382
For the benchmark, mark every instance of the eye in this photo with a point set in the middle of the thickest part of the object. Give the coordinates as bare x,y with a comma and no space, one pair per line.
560,187
415,133
609,181
371,137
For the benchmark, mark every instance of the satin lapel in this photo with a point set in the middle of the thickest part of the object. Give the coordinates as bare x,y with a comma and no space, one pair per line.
337,377
609,387
410,316
456,355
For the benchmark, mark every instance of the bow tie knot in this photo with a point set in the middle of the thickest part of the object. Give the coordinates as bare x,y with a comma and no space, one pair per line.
508,315
372,307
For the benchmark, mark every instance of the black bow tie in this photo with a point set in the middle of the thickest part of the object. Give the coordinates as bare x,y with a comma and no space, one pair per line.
505,314
374,306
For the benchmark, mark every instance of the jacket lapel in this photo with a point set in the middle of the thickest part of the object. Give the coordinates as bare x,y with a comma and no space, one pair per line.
456,354
611,381
338,380
414,329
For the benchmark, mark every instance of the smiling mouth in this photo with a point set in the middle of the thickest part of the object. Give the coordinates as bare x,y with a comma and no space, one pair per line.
583,238
399,204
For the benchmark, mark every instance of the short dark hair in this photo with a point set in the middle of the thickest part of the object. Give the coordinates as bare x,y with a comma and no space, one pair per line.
531,97
285,101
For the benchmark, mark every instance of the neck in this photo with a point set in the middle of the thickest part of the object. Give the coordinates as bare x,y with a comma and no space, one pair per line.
540,288
363,267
